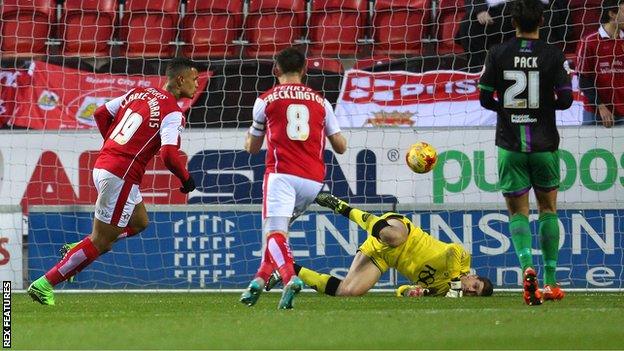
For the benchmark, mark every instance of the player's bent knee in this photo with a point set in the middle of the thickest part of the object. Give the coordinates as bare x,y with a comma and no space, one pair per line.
347,290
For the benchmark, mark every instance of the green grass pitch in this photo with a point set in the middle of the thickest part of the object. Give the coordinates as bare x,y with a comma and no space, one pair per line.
375,321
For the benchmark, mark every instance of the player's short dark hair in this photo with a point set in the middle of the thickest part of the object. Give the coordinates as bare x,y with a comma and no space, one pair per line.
527,14
177,65
609,6
290,60
488,288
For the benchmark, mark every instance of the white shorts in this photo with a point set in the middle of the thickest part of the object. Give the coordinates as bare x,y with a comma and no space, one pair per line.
116,198
286,195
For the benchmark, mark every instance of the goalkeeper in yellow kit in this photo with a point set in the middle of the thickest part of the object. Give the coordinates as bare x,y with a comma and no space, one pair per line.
434,267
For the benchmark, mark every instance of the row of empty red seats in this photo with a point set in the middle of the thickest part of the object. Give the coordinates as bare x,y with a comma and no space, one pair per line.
212,28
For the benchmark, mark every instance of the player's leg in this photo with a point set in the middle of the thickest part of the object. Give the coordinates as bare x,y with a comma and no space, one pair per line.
361,277
545,178
305,191
279,199
114,206
514,180
137,223
391,232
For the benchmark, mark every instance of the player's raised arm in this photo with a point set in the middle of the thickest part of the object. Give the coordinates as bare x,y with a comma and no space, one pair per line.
169,151
332,130
255,136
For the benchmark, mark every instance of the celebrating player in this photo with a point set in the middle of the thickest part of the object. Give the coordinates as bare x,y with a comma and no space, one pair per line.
134,127
435,268
531,80
296,120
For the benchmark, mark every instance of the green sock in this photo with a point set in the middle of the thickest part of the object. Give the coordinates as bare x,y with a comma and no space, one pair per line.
521,237
549,242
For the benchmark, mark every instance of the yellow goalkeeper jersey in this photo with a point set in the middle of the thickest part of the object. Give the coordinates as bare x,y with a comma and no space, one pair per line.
423,259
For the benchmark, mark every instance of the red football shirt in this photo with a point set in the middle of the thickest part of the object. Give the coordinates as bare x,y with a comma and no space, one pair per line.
603,57
296,120
144,120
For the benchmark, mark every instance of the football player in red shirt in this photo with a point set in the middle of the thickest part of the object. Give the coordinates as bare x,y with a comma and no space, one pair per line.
135,127
296,121
601,68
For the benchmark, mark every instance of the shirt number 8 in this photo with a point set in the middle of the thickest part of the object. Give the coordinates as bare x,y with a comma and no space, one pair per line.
298,127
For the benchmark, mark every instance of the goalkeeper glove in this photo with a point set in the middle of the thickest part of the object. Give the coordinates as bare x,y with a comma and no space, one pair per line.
455,288
411,291
188,185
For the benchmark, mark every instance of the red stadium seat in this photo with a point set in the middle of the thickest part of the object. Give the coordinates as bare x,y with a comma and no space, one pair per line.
210,27
450,14
148,27
87,27
336,26
369,62
26,26
398,26
324,64
273,25
584,19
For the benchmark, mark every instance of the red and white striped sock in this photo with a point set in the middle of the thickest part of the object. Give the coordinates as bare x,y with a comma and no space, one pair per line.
266,266
281,255
76,260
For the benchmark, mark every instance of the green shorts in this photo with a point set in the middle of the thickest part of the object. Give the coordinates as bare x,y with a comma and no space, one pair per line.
519,171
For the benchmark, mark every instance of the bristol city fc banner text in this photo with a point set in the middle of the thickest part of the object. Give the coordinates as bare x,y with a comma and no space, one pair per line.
430,99
47,96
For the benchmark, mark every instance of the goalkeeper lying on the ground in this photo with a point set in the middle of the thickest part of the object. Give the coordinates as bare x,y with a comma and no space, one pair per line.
434,267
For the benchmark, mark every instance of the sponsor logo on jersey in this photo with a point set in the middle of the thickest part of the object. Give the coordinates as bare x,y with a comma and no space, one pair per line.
48,100
522,119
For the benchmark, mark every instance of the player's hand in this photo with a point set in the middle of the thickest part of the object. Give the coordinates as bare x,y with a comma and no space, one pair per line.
484,18
411,291
188,185
606,116
455,288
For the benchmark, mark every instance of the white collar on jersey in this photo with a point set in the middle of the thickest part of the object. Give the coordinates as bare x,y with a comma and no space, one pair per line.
604,35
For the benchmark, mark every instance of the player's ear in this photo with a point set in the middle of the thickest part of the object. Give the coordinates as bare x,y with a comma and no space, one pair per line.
276,71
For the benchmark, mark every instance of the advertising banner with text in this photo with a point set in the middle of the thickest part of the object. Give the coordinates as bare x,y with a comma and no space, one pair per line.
55,169
430,99
221,249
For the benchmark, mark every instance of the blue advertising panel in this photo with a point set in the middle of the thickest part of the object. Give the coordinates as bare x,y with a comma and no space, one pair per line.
221,249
